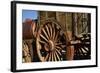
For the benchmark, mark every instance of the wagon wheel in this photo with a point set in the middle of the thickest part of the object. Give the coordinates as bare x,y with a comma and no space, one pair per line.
26,51
83,49
51,41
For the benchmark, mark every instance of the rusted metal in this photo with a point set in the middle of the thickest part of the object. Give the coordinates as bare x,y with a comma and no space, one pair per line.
29,28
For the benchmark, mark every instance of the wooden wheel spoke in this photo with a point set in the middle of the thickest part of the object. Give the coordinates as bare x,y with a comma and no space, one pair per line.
46,57
58,51
85,49
53,31
56,37
81,52
47,30
42,41
52,56
58,47
54,34
60,44
49,57
45,33
43,37
57,55
50,29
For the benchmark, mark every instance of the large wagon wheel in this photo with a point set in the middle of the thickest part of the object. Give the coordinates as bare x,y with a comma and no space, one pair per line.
83,48
82,45
50,41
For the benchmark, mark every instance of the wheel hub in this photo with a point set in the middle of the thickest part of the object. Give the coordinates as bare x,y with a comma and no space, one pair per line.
51,44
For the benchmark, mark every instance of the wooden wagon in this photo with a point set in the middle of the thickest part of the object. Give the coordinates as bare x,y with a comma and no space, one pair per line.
50,40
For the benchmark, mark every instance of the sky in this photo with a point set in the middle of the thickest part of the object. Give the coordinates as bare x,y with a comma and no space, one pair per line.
29,14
